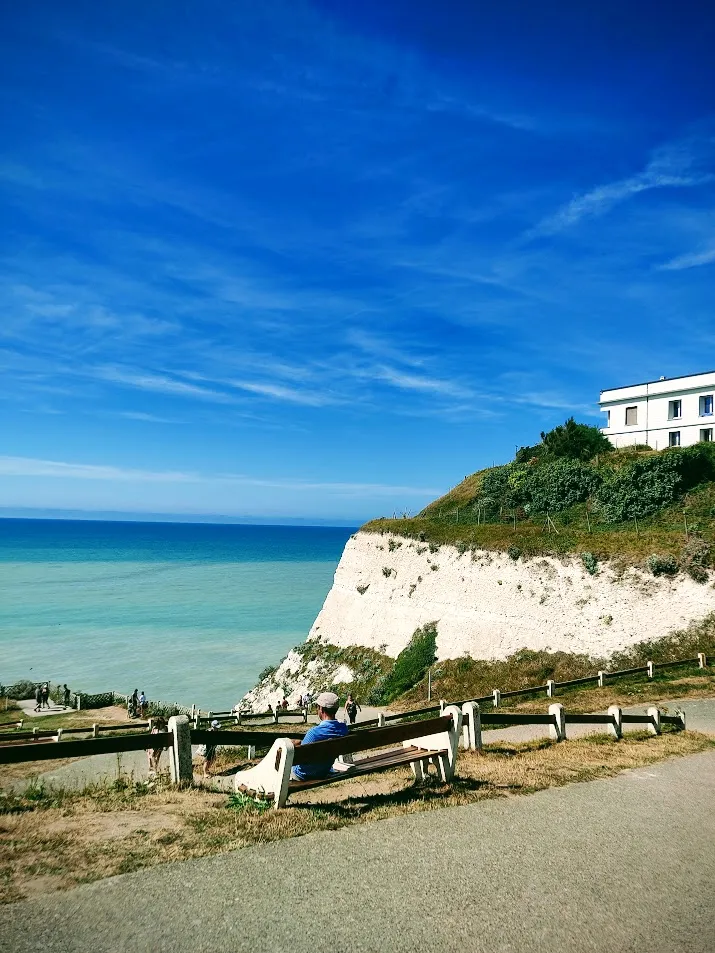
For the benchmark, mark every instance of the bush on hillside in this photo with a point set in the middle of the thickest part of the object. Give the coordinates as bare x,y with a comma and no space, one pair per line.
662,565
412,663
20,690
553,487
648,484
575,441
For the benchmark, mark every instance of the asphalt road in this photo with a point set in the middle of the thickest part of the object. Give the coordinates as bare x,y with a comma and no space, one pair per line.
624,865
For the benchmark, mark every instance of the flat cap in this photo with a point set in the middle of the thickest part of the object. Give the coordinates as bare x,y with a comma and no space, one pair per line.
327,700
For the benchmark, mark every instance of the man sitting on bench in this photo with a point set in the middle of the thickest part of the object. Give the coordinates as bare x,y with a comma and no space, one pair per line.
328,727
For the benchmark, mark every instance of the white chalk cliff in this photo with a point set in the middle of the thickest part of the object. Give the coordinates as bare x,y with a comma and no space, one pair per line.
488,605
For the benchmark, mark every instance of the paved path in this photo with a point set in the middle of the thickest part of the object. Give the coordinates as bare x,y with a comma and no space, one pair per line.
28,708
623,865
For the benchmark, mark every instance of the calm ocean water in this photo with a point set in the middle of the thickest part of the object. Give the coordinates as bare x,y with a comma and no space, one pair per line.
187,612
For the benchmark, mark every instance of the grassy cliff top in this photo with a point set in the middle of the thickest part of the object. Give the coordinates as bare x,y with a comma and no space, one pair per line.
617,504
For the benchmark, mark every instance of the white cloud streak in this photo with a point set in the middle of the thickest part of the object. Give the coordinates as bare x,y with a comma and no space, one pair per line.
672,166
690,260
11,466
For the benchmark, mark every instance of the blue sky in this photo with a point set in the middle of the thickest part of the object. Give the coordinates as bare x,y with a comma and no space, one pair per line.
322,259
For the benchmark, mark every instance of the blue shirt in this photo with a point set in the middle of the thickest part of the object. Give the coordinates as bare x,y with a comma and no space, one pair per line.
323,731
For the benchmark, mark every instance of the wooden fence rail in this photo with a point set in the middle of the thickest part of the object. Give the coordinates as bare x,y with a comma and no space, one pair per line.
12,754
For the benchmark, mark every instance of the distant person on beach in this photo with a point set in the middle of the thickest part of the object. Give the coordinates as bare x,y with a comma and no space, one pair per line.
142,705
38,698
328,727
66,696
351,709
154,754
209,751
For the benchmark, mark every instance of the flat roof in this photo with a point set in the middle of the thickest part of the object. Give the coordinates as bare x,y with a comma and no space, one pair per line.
658,381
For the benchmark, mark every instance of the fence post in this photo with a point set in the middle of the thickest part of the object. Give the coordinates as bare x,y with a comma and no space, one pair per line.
654,715
59,735
550,688
381,719
79,702
442,705
616,726
95,730
180,764
472,730
649,668
496,697
251,752
557,732
702,660
34,734
681,714
305,715
601,677
193,712
275,715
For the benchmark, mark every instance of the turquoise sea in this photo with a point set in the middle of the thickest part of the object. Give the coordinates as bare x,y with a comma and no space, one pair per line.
187,612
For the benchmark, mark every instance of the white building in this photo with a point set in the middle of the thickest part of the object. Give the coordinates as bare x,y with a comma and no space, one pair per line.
670,412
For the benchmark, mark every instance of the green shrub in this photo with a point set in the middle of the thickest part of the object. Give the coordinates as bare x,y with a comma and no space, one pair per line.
553,487
590,563
267,672
412,663
514,552
662,565
386,572
575,441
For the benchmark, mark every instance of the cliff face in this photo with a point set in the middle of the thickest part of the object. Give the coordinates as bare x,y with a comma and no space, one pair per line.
488,605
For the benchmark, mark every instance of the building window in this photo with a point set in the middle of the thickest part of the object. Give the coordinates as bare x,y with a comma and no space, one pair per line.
631,416
674,438
675,409
608,419
706,436
706,405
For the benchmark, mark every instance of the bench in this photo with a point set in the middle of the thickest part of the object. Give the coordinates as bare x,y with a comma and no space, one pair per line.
433,741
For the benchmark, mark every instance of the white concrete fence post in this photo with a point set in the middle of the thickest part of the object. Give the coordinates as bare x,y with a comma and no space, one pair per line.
95,730
275,715
471,726
193,712
442,705
251,752
180,761
550,688
601,677
649,668
557,731
79,702
381,719
616,726
702,660
59,735
654,725
496,697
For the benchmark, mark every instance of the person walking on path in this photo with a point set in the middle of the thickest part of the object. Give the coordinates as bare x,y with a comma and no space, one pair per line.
351,709
142,705
154,754
38,698
133,706
66,696
45,695
209,751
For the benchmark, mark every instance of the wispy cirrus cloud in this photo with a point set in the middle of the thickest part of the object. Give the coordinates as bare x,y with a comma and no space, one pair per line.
11,466
682,164
690,260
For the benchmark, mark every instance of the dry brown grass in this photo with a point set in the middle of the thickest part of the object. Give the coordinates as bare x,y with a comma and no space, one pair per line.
53,841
